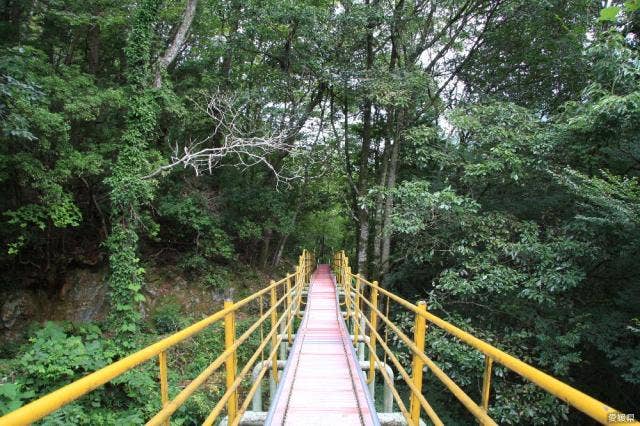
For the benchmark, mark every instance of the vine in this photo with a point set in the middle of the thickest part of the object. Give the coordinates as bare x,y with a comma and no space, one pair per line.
128,192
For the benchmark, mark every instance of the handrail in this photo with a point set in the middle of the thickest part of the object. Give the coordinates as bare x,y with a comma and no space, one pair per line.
285,303
355,294
49,403
455,389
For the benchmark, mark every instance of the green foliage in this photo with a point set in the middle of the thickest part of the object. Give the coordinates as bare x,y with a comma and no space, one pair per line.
125,284
525,240
55,357
515,213
129,192
609,13
328,226
217,280
59,353
168,315
37,148
499,148
420,211
612,200
534,56
13,396
201,228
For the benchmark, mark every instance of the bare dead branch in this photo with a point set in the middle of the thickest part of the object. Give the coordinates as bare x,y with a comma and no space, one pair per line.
231,141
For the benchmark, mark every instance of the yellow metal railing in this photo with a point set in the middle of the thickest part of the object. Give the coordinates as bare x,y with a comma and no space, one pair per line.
361,295
285,300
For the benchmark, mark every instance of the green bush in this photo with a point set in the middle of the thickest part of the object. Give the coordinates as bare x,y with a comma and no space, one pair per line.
167,316
217,280
12,397
193,264
56,357
60,353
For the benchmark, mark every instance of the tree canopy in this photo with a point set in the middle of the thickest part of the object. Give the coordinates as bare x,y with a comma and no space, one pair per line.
483,155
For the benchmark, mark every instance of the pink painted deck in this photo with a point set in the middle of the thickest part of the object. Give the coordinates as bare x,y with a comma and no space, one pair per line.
322,383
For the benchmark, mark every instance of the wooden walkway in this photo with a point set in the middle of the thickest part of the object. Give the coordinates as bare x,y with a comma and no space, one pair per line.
322,383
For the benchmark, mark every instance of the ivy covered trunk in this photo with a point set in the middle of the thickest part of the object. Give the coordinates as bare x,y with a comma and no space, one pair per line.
130,192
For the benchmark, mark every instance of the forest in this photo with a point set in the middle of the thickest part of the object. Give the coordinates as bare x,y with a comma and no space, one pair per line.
157,156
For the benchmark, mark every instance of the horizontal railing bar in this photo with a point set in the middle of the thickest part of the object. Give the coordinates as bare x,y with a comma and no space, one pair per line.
461,395
282,280
56,399
255,387
425,404
177,402
223,400
418,392
595,409
410,306
389,382
590,406
220,406
257,294
49,403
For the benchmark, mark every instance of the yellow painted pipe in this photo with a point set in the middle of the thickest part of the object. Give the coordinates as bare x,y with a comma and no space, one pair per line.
230,364
66,394
51,402
419,333
595,409
486,382
164,382
180,399
373,315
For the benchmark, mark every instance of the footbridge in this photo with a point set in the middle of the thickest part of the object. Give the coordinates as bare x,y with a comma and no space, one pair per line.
324,349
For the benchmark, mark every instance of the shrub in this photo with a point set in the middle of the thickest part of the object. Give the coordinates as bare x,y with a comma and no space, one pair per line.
167,317
56,358
217,280
13,397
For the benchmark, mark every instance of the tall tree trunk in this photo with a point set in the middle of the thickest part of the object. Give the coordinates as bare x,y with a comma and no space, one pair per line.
278,256
394,129
283,240
228,54
363,178
380,203
180,37
266,243
391,183
93,49
363,213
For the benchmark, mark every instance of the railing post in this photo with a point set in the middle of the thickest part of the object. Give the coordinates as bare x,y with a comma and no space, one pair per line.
303,261
230,363
347,294
486,382
417,365
361,344
274,337
373,319
298,287
289,312
356,311
283,341
164,383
